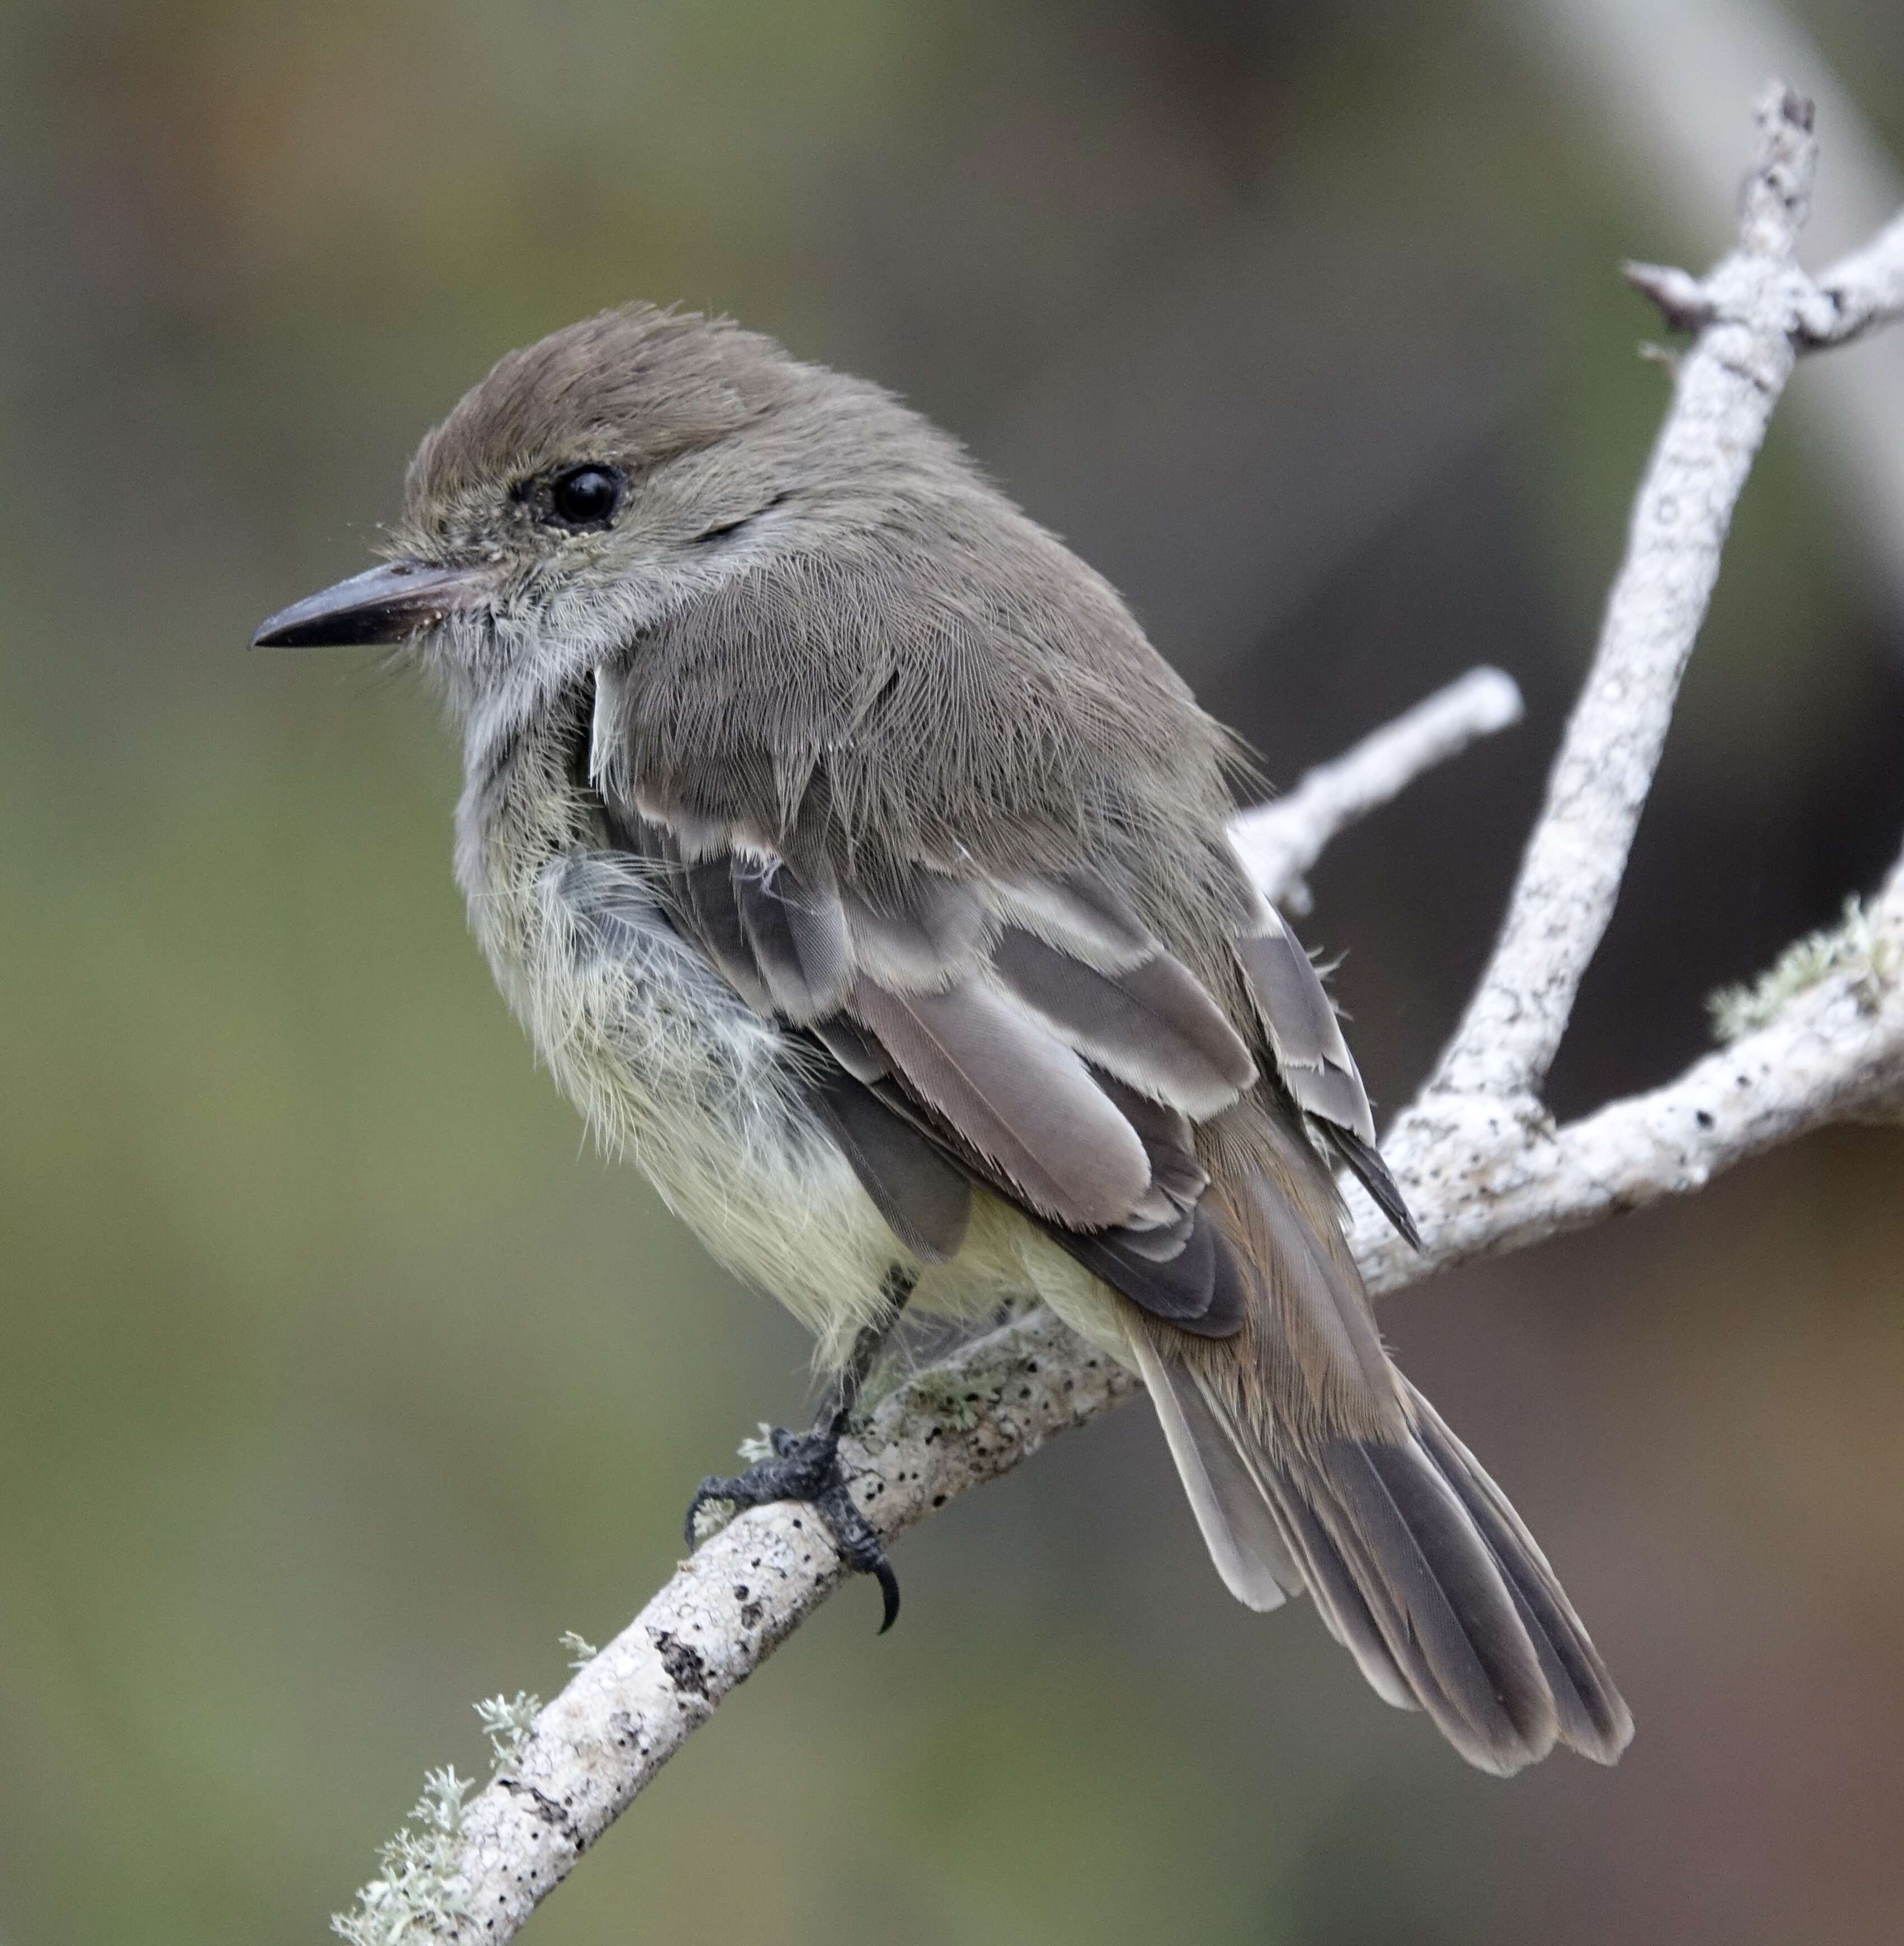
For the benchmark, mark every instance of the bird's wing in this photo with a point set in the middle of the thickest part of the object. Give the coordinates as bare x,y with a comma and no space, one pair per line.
1312,1056
1029,1033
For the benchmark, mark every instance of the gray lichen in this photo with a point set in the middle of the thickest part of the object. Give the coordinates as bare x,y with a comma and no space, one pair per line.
507,1722
1855,947
950,1398
422,1894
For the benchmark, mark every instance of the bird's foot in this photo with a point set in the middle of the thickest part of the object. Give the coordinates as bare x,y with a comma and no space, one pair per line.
805,1466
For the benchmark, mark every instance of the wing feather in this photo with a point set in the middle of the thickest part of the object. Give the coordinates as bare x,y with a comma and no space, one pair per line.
926,1199
1301,1021
1028,1033
1018,1094
798,936
1150,1023
1312,1057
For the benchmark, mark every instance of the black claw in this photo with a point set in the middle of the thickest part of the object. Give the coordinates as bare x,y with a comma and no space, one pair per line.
888,1590
805,1466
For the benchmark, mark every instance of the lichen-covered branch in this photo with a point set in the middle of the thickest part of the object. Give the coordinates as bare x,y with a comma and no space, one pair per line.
1830,1049
1820,1040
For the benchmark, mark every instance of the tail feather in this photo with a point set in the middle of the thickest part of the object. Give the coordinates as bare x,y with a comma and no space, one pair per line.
1239,1524
1443,1607
1417,1562
1594,1719
1342,1605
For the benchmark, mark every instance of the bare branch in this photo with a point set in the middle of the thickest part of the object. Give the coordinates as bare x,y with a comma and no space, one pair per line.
1279,842
1663,83
1865,288
1726,387
1833,1052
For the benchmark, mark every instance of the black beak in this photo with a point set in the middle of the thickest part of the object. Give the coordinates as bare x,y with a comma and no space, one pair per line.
383,604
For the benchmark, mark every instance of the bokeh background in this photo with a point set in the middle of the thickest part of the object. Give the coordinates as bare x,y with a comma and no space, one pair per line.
337,1378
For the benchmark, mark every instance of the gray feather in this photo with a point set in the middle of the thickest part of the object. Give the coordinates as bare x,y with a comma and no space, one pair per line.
1160,1220
926,1200
1022,1099
1593,1716
1150,1024
1167,1138
852,1050
1081,914
1323,1311
714,908
1200,1288
1338,1598
1438,1572
1237,1526
798,935
607,733
920,936
1303,1029
1366,1164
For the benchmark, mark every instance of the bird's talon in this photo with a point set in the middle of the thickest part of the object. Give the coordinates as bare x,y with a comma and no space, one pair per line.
805,1466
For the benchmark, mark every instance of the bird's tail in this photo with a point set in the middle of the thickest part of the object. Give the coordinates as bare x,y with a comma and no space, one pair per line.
1417,1562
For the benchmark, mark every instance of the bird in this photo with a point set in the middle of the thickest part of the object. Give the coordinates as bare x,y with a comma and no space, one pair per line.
860,870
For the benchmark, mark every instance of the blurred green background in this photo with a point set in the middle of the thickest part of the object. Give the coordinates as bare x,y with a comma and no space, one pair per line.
337,1378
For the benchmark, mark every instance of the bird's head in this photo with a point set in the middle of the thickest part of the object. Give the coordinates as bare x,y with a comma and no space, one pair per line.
597,479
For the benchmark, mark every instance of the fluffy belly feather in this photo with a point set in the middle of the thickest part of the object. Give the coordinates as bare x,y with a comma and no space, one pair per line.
671,1070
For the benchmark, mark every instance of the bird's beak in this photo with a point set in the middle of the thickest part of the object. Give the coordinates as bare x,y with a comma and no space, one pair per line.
389,604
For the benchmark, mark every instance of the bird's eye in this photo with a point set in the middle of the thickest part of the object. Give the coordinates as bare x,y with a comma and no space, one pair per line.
586,496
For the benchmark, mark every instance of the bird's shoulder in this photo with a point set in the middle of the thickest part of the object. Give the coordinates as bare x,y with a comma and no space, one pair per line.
938,679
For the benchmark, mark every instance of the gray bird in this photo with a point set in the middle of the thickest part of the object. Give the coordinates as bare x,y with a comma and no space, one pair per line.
860,871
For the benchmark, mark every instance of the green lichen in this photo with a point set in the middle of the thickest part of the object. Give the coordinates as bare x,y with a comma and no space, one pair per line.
758,1445
422,1894
711,1516
507,1722
581,1653
951,1399
1855,947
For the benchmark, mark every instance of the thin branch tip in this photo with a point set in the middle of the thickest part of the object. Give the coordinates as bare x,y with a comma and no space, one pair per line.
1680,298
1495,697
1780,102
1279,842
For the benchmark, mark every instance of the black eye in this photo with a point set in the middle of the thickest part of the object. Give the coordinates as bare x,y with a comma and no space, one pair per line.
586,496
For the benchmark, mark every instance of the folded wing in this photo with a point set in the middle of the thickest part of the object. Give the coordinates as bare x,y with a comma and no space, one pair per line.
1030,1034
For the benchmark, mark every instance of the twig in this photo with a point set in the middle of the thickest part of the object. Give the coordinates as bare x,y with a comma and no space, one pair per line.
1279,842
1750,308
1486,1169
1664,78
1865,288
